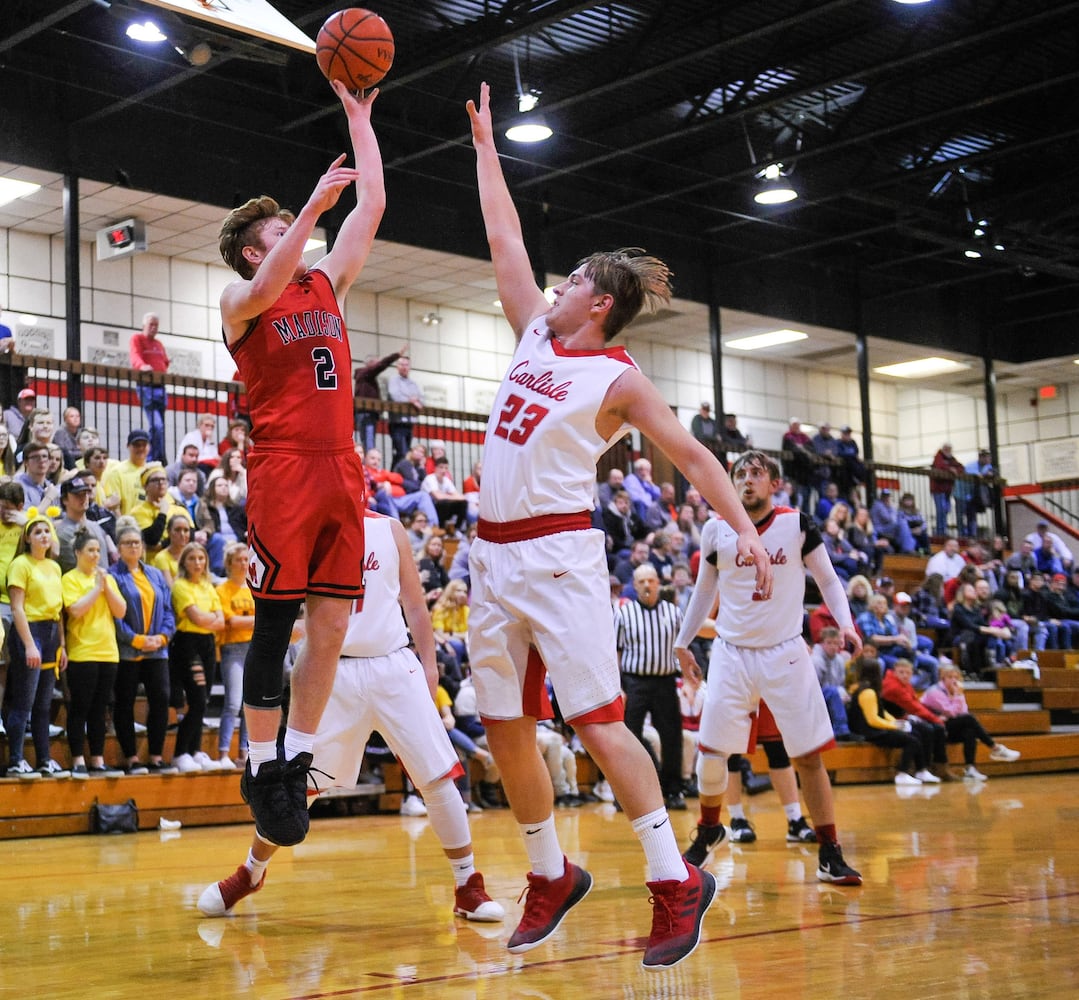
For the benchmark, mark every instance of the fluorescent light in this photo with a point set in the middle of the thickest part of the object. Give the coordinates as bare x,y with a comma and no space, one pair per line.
27,320
912,3
314,243
761,340
923,368
146,32
10,189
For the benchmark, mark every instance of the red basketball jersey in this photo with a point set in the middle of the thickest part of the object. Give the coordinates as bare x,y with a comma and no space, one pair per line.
297,366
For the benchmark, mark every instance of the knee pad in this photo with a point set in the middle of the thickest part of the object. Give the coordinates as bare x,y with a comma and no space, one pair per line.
264,667
777,754
711,772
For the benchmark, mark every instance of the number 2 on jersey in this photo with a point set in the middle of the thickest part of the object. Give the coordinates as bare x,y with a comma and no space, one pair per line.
517,421
325,375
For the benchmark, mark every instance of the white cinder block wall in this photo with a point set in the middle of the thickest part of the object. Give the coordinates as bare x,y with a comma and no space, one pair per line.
460,361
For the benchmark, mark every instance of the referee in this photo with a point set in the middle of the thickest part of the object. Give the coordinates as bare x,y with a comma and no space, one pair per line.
646,628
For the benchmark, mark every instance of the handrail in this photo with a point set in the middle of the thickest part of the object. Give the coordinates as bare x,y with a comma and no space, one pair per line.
107,396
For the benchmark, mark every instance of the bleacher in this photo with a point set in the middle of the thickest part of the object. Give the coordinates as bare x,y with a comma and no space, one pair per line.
1039,716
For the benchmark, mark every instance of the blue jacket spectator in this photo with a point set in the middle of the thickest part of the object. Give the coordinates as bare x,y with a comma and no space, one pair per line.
889,524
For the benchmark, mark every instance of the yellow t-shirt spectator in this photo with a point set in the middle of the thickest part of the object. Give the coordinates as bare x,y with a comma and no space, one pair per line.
9,545
145,513
165,562
236,602
201,594
125,478
453,621
91,638
39,580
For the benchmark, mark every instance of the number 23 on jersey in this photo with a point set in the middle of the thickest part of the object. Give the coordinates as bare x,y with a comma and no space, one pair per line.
518,420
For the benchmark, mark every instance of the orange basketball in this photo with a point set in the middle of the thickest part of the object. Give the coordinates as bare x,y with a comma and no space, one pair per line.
356,47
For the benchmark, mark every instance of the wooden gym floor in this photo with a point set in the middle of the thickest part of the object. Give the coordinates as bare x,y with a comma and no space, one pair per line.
971,891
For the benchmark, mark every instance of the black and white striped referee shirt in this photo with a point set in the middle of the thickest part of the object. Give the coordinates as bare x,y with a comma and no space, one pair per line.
646,637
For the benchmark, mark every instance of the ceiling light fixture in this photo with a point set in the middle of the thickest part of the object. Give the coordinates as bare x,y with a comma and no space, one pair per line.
147,32
912,3
430,319
775,188
761,340
923,368
533,127
11,189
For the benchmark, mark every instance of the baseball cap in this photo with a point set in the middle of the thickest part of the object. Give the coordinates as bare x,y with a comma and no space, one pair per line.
886,492
1043,524
27,394
76,484
885,581
902,597
138,434
706,405
845,429
1059,578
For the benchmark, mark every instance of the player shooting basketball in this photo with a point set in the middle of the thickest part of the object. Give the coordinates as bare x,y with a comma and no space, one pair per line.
283,325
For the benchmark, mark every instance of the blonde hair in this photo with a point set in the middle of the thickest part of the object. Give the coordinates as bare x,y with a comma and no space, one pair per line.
633,279
243,228
445,600
950,668
185,553
232,551
859,579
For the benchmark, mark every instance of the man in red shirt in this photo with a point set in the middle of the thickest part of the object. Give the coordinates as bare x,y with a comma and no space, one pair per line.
148,355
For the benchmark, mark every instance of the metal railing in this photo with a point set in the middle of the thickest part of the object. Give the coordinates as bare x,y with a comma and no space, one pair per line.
108,399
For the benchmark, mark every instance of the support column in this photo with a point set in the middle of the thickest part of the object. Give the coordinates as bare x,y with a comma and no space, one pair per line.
862,348
990,381
715,342
72,283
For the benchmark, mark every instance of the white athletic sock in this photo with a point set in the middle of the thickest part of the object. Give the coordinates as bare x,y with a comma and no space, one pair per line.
297,742
665,862
261,752
255,867
793,811
544,852
737,812
463,868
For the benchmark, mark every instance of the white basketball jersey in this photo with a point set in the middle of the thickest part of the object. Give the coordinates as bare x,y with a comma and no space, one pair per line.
744,619
379,629
541,447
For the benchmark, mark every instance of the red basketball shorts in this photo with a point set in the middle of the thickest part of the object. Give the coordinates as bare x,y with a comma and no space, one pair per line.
305,524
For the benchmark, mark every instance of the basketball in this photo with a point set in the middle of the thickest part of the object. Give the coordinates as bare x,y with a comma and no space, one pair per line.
356,47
